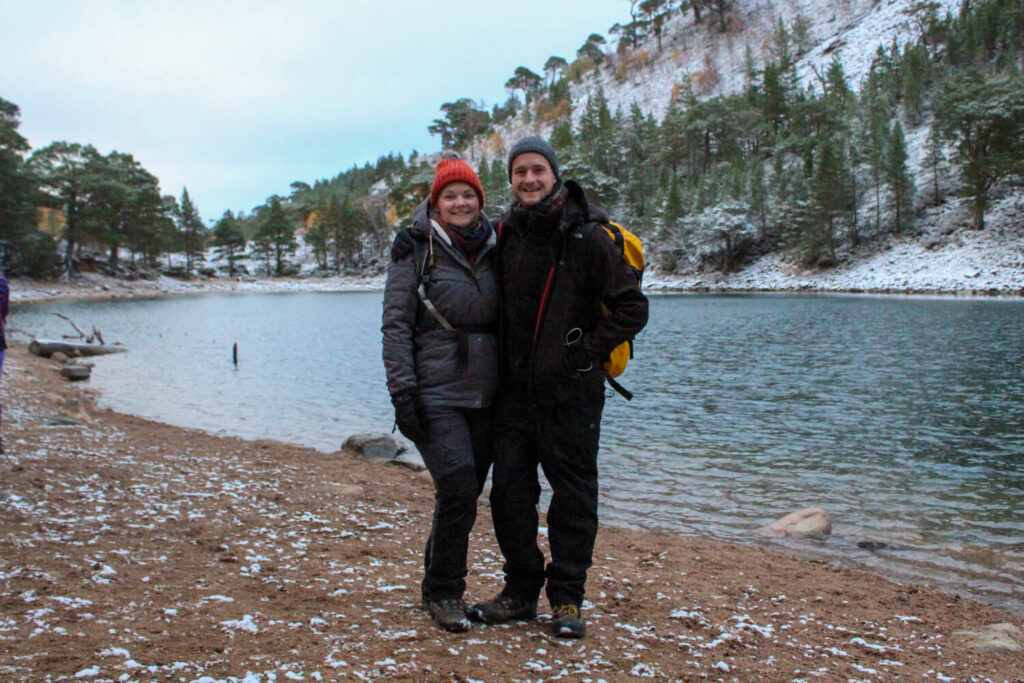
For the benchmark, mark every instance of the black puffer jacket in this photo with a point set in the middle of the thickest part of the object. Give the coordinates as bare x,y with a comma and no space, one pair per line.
588,271
445,368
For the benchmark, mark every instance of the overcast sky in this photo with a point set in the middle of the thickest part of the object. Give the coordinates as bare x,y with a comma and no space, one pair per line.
235,100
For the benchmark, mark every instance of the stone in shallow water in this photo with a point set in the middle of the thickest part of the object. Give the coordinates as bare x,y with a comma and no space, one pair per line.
810,521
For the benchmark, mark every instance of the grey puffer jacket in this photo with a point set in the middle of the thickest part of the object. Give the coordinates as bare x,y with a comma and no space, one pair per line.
443,367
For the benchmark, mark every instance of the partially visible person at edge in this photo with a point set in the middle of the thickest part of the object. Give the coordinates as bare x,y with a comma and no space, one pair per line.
5,302
441,380
557,266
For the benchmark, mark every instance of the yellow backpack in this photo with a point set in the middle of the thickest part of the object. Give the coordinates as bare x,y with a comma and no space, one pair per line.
633,254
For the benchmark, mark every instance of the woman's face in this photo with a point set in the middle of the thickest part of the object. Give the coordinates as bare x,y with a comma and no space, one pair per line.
458,205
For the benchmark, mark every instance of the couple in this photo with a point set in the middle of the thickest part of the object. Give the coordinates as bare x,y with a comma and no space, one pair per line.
494,339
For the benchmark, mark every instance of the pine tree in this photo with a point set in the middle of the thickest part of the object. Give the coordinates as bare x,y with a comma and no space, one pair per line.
640,133
897,176
276,234
595,134
673,209
679,141
60,168
935,160
983,116
828,200
915,74
229,239
854,159
757,190
527,81
24,250
192,233
876,136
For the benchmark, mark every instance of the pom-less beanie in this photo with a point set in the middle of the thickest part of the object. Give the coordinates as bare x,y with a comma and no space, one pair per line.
533,144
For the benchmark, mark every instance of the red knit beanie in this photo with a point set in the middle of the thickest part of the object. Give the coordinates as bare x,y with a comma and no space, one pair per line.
450,171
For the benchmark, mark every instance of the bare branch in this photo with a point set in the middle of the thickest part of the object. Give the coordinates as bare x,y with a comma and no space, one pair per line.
81,334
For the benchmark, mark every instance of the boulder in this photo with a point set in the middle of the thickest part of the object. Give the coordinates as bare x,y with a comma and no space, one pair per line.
375,446
411,460
993,638
59,356
810,521
75,373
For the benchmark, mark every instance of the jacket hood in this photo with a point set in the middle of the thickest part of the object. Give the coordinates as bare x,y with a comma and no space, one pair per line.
420,227
578,206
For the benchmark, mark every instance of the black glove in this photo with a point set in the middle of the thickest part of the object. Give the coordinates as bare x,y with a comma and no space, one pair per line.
576,360
409,418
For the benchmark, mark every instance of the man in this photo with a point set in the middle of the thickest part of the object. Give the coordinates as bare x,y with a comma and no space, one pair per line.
557,266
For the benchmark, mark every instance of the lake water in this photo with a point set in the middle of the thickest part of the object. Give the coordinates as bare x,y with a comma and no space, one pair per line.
903,417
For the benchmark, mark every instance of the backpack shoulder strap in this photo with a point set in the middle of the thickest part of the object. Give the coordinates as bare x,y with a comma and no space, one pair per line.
406,243
614,231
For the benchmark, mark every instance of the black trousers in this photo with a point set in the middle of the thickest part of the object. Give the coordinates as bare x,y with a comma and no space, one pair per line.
457,453
563,441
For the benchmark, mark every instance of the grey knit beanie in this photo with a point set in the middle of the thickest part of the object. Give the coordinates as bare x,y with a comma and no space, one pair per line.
533,144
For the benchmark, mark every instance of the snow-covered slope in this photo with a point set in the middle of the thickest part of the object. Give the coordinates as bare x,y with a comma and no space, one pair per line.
850,31
946,258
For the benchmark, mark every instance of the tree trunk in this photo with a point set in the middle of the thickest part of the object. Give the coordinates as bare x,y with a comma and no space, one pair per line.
48,347
69,258
978,212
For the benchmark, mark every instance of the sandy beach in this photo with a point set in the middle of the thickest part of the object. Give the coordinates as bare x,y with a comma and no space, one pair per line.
133,550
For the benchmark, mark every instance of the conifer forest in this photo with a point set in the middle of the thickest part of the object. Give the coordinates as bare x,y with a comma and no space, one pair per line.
809,165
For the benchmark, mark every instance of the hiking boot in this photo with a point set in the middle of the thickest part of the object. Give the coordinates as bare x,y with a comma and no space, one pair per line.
502,608
449,613
567,622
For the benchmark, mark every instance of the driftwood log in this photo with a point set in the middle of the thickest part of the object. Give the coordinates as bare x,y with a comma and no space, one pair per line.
47,347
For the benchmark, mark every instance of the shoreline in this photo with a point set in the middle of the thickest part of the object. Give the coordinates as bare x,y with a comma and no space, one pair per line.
93,287
270,556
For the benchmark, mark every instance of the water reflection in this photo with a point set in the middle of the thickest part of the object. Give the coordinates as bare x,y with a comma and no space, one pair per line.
902,417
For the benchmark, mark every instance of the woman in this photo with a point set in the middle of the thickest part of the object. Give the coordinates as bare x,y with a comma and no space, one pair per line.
440,354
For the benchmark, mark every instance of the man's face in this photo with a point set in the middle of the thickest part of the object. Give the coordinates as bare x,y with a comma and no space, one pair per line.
532,178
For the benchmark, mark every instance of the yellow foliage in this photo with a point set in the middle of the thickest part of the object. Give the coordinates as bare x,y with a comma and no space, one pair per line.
391,215
580,68
562,109
51,221
494,144
631,61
